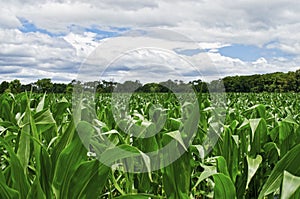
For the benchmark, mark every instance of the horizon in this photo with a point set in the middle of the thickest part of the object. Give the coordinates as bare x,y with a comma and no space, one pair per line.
144,83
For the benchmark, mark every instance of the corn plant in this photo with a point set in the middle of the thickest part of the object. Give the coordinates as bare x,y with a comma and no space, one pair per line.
256,155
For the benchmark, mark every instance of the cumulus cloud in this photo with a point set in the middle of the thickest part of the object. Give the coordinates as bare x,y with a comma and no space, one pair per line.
84,44
62,33
30,56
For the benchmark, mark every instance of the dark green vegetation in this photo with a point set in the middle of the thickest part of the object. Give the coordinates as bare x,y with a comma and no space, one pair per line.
273,82
256,156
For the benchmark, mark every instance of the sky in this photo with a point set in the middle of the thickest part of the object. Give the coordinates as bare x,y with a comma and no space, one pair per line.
55,38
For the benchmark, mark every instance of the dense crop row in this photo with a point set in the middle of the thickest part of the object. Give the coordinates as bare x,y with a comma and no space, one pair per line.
256,155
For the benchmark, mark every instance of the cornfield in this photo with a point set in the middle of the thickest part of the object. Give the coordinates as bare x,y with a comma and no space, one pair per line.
257,154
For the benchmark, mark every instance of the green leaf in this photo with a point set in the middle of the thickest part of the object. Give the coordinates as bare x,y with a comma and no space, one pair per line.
36,190
121,152
199,149
260,109
6,111
290,162
40,106
173,124
24,142
5,191
224,188
290,185
222,166
253,164
67,163
46,173
254,124
258,136
19,179
176,135
64,139
88,180
208,171
44,118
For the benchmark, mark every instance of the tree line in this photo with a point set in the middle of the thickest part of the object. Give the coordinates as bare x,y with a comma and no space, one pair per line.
272,82
42,85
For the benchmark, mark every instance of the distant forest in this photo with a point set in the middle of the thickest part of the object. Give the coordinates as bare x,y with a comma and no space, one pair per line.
272,82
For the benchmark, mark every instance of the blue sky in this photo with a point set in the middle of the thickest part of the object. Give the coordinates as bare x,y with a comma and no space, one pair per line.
251,53
41,39
27,26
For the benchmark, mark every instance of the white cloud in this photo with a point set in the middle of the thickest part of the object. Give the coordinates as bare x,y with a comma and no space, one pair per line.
211,24
260,61
84,44
209,45
35,55
8,19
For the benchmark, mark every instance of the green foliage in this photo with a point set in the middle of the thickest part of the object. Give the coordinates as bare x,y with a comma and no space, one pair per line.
44,85
272,82
256,156
4,86
15,86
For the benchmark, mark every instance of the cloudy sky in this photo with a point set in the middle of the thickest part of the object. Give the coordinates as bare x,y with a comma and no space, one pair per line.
51,38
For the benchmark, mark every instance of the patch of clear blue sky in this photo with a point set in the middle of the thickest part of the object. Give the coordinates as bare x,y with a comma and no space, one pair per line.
28,26
101,34
247,53
251,53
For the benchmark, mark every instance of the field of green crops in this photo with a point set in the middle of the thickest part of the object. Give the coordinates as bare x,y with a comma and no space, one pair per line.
257,154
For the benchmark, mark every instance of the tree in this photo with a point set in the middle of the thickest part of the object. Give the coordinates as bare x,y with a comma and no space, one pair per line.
108,86
169,84
297,75
27,87
3,86
70,86
128,86
199,86
59,88
216,86
15,86
153,88
44,85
